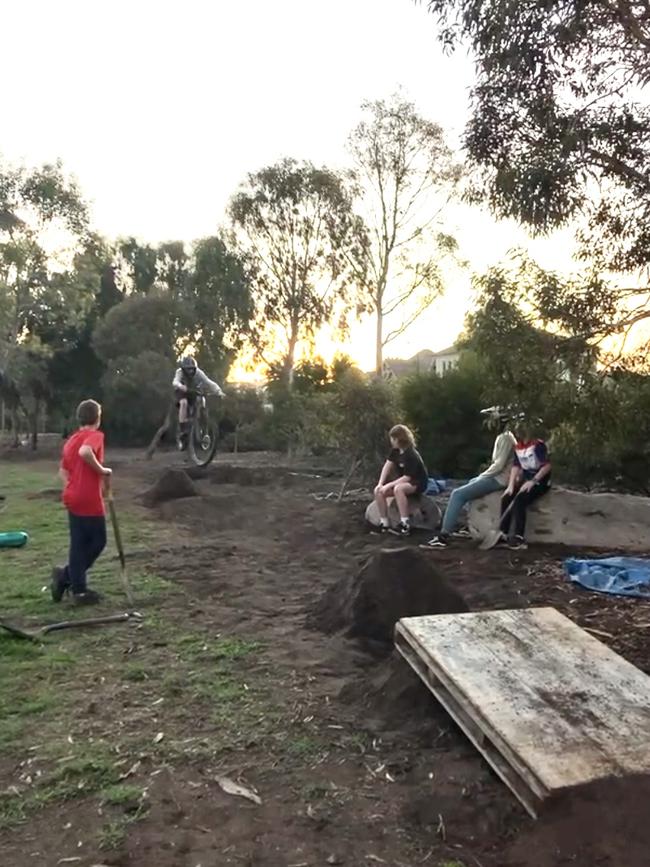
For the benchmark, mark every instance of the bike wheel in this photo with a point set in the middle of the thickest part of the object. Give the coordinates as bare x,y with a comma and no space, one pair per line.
203,439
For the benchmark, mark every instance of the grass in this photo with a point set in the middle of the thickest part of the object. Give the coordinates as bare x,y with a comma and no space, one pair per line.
56,697
114,833
85,773
46,688
122,795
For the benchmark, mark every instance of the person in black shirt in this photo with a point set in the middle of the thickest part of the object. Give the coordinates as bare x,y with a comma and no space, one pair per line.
403,474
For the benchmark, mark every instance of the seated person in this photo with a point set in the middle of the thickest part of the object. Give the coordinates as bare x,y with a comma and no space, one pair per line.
189,379
403,474
495,478
530,479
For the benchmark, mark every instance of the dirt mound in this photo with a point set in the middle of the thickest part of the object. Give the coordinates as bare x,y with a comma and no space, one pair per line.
393,583
603,823
394,697
172,485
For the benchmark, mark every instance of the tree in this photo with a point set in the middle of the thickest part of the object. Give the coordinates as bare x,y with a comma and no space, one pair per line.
217,294
365,410
404,173
28,363
39,208
135,389
446,413
178,301
35,206
136,265
527,364
295,225
242,410
560,129
140,323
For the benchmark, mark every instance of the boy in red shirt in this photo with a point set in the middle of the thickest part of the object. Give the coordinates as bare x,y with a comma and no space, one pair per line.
84,474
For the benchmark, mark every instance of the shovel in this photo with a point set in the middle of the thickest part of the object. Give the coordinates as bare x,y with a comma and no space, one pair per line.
120,548
37,634
492,538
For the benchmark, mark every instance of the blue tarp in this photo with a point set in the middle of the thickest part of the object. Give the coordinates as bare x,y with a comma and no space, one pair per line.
435,486
621,576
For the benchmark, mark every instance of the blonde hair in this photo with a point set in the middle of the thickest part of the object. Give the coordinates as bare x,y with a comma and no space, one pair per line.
402,435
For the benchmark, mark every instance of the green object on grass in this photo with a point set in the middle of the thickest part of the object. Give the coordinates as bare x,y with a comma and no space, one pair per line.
13,539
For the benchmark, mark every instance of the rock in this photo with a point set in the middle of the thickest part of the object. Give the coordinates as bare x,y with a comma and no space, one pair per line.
424,512
172,485
613,522
393,583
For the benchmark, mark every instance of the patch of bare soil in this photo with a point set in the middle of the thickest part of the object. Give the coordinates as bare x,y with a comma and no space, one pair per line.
362,766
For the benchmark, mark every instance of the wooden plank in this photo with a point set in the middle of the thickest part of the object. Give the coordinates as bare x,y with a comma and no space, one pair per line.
455,709
548,705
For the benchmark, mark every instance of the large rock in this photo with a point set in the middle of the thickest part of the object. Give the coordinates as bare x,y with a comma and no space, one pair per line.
615,522
424,511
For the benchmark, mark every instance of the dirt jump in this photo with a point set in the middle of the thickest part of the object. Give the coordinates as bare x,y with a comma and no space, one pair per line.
273,668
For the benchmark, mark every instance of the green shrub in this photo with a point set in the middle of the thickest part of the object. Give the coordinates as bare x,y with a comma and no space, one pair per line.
445,412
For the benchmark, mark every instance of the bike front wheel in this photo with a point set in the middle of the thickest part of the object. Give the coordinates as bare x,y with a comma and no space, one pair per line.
203,439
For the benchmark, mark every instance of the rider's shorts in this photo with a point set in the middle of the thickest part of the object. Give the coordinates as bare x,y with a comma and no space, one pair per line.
180,395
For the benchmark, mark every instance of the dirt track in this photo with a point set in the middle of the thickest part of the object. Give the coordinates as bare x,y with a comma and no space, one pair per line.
372,771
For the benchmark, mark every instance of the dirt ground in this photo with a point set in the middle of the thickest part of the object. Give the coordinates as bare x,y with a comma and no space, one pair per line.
353,761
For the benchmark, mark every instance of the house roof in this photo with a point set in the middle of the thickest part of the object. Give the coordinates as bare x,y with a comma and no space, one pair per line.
421,361
450,350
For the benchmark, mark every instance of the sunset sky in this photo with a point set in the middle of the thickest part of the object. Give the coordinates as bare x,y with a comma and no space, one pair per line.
161,108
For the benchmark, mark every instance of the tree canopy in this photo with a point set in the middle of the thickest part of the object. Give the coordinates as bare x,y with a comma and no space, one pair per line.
295,225
404,173
559,130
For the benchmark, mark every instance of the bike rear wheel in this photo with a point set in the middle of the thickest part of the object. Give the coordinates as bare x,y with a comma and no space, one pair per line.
203,439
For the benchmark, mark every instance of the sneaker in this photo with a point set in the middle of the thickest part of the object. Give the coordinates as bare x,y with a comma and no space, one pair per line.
58,585
182,442
517,543
90,597
462,534
437,542
402,529
380,529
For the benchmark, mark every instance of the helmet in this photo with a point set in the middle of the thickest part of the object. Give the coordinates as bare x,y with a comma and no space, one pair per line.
188,365
496,414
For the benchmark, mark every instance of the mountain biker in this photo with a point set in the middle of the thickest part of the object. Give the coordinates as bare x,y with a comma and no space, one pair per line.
189,380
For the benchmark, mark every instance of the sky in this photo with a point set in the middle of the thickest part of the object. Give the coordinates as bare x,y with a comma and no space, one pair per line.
160,109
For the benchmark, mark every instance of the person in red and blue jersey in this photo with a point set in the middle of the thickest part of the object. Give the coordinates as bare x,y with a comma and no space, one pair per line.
530,479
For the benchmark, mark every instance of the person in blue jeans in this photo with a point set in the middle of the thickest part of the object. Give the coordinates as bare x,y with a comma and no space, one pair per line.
495,478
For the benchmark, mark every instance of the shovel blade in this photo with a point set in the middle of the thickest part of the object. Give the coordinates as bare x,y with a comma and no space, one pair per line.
492,539
20,633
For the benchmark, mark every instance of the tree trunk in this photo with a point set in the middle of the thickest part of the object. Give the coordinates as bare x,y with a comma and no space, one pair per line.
291,352
32,422
14,428
162,430
379,342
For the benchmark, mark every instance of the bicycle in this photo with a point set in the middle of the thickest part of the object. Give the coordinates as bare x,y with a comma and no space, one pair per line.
203,435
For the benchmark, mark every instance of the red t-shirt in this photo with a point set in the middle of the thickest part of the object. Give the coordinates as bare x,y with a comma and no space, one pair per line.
83,492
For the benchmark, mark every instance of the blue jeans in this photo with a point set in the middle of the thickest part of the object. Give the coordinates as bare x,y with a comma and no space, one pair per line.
87,541
475,488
